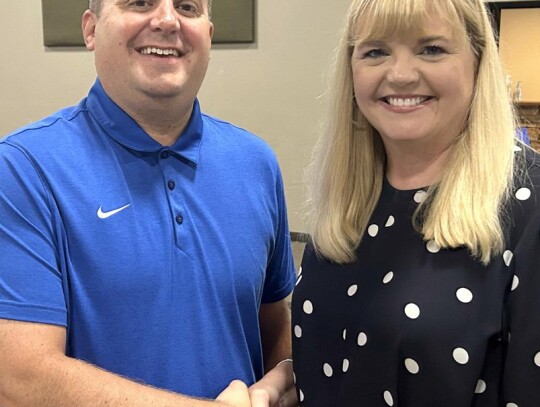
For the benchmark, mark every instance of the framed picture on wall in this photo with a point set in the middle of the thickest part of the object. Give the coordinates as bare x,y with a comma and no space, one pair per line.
497,8
234,22
518,32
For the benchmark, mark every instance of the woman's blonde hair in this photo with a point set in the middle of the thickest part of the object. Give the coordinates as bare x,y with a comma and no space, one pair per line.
346,174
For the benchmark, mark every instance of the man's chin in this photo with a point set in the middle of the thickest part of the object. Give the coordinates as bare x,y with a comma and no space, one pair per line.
165,91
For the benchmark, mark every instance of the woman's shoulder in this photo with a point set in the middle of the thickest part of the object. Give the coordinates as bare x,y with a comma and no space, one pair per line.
525,194
527,169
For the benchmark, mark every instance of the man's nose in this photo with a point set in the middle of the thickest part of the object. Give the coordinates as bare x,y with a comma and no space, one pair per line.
165,18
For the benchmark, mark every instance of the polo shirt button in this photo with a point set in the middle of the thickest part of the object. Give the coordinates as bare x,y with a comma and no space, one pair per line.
171,184
179,219
164,154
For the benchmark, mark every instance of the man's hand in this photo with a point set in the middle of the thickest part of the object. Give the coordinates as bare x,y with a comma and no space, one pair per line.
235,395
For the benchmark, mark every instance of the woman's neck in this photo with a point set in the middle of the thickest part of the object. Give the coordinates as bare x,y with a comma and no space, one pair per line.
414,168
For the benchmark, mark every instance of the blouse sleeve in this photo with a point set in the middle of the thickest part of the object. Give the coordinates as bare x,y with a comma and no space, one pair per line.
521,387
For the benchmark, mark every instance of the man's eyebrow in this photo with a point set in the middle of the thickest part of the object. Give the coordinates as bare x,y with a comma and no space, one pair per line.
121,2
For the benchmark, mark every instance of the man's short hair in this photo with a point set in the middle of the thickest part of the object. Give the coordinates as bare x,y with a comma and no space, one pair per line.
94,5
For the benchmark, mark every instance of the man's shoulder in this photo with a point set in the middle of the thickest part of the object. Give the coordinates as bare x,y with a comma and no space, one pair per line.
227,129
51,129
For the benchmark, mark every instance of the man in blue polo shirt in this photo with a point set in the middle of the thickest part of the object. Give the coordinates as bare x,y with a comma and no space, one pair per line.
144,246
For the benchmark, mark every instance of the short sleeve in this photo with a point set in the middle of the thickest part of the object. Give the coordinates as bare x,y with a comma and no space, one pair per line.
280,273
31,287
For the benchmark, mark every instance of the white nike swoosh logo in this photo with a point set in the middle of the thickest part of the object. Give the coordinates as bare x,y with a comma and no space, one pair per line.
105,215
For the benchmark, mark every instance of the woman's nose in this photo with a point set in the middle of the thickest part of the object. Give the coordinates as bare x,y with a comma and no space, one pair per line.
402,71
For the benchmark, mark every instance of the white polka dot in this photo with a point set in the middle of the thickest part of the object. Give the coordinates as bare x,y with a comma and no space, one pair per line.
412,311
516,149
507,257
523,194
390,222
362,339
511,405
515,283
537,359
388,398
352,290
301,395
344,334
388,277
297,331
298,279
328,371
300,270
308,307
480,387
420,196
412,366
461,356
345,365
464,295
433,247
373,230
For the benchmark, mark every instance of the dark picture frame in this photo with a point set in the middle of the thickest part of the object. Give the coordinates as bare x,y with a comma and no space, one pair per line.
234,22
496,7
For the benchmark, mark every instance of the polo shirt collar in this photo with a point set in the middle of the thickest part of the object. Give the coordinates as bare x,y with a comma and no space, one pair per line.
122,128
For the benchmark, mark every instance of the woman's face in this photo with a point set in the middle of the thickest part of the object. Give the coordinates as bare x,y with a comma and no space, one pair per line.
415,87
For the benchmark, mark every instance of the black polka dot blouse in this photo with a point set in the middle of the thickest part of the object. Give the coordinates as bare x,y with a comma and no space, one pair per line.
412,325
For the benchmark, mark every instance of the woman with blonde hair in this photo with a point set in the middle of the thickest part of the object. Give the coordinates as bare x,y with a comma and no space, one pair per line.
421,285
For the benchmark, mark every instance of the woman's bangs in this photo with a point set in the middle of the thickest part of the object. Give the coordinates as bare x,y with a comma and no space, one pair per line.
385,19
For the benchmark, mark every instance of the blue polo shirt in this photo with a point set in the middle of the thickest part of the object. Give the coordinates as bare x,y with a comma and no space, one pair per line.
154,258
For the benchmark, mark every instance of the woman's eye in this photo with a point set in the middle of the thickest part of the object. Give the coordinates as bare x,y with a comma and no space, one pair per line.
433,50
374,53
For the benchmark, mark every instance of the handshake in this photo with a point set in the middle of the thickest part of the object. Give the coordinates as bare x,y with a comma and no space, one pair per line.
275,389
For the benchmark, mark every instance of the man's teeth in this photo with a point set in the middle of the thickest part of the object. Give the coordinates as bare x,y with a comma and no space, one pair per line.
159,51
406,102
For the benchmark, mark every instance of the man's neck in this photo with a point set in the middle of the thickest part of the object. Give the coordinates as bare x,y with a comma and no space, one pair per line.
164,119
162,126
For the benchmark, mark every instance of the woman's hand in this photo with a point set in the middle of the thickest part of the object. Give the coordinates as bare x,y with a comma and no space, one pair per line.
235,395
275,389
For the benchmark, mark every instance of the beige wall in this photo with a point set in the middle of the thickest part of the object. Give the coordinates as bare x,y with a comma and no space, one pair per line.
270,87
520,49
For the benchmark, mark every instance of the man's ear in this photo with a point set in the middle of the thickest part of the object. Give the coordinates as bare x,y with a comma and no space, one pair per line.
89,20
